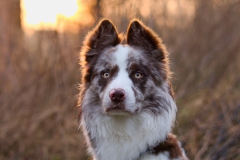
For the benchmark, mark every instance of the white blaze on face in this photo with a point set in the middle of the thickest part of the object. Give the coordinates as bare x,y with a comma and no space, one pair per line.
122,79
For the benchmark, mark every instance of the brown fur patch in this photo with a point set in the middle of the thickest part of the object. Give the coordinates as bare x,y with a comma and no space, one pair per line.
170,145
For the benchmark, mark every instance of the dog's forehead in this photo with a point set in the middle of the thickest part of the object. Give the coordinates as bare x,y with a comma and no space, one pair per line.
117,55
122,53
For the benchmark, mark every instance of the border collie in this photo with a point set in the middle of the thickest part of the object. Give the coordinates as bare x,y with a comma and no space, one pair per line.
126,101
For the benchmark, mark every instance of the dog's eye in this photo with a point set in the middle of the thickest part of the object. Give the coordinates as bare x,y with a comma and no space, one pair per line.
138,75
105,75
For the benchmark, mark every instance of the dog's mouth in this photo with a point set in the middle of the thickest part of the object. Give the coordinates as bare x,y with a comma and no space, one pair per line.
118,110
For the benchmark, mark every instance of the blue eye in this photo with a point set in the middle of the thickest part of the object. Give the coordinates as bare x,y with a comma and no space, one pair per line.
105,75
138,75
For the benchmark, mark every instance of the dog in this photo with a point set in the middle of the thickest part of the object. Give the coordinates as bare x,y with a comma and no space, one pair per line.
126,102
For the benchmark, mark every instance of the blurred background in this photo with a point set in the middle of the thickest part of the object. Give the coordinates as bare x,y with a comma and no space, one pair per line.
39,72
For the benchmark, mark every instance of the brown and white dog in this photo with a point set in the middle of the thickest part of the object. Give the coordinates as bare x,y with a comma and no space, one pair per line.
126,102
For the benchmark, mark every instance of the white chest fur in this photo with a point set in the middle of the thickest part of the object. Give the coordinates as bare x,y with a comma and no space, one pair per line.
125,138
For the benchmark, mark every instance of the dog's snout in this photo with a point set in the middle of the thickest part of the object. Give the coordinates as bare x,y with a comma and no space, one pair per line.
117,95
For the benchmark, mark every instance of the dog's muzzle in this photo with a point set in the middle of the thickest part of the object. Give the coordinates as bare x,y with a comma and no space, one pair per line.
117,107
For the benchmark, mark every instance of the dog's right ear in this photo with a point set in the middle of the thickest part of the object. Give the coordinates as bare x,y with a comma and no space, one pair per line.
102,36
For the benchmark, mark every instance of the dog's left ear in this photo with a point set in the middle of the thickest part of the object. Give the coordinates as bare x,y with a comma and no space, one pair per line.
141,36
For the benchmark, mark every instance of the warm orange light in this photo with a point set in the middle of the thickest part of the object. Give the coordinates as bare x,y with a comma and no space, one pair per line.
50,14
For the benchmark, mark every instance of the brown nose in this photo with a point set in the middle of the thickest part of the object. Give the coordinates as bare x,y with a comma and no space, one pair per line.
117,95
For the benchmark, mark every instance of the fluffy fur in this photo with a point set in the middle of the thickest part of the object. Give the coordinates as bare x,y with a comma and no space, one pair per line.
126,102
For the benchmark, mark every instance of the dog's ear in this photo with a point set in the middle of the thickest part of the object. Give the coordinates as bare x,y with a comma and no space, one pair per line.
141,36
102,36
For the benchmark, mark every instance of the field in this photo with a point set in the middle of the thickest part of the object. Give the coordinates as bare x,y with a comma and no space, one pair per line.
39,76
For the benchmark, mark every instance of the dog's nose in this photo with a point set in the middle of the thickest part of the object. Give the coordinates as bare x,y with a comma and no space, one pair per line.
117,95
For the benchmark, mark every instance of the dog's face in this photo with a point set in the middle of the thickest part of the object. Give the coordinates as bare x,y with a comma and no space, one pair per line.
125,79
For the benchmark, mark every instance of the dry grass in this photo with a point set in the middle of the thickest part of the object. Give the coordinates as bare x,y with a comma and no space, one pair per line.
38,78
208,83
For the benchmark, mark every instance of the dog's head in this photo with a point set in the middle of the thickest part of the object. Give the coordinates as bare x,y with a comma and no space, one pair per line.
125,79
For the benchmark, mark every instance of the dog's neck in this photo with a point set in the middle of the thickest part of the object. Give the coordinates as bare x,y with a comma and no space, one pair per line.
125,138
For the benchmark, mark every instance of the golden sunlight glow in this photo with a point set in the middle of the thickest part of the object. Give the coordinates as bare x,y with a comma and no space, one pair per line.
50,14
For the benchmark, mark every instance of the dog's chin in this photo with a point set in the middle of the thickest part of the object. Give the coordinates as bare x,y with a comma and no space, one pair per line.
119,112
